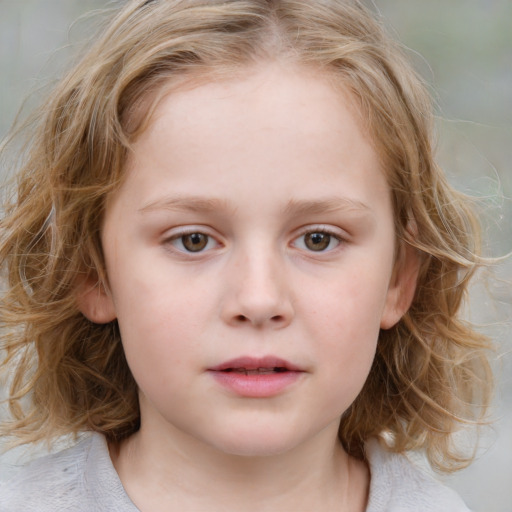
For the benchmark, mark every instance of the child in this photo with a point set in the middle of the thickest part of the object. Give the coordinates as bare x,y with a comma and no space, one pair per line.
232,259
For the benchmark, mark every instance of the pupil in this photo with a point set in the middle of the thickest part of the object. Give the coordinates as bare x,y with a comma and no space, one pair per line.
195,242
317,241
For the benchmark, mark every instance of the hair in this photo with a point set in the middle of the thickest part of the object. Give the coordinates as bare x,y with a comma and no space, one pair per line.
430,375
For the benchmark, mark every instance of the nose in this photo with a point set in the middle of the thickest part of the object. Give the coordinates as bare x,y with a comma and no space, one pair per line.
258,292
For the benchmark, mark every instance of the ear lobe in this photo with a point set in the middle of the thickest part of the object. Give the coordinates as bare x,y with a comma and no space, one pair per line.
95,301
402,286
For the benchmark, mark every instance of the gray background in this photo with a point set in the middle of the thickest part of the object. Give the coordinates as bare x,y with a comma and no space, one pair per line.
464,49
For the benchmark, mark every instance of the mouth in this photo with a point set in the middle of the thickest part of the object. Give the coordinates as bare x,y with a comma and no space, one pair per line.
256,366
256,377
257,371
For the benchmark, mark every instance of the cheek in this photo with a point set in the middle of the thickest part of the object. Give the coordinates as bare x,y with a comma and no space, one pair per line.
159,323
349,306
345,322
150,294
349,349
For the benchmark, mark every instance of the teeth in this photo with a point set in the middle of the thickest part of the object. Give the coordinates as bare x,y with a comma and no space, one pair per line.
257,371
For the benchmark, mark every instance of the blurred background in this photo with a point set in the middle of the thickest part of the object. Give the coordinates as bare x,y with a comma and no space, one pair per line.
463,49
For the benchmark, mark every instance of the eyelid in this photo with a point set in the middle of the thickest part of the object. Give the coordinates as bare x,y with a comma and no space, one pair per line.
176,233
329,229
338,234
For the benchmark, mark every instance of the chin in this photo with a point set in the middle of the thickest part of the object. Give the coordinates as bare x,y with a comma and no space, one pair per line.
262,443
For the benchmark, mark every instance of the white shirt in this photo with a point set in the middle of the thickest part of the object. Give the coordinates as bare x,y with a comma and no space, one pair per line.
83,479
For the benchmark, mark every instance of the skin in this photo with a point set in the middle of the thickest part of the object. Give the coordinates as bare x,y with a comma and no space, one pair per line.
258,165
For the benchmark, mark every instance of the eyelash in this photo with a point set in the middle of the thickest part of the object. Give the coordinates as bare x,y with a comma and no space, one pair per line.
179,239
322,230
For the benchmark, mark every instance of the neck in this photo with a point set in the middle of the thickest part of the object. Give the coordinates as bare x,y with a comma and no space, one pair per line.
182,473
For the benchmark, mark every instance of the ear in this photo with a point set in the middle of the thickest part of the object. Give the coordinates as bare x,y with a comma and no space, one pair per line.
402,286
95,301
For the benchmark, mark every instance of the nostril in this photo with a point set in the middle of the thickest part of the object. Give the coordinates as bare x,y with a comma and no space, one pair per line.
276,321
243,318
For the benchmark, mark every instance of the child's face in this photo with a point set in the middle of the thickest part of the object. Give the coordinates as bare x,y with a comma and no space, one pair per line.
254,229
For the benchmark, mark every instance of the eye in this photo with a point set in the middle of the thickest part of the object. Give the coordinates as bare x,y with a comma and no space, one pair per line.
192,242
317,241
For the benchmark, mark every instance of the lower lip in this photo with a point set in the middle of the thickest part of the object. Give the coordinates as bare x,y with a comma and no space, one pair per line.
262,385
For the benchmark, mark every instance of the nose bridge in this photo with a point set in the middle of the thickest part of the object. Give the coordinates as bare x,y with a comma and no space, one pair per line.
259,290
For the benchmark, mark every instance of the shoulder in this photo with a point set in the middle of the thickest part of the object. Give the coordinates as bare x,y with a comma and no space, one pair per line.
78,479
397,485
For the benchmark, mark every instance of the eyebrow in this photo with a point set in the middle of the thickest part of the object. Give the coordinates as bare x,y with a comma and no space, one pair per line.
193,204
296,207
326,205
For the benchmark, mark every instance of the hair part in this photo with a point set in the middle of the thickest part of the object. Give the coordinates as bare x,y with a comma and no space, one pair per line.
430,373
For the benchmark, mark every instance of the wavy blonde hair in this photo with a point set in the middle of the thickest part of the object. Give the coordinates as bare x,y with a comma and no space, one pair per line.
430,373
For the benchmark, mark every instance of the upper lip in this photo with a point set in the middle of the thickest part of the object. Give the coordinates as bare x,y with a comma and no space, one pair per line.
253,363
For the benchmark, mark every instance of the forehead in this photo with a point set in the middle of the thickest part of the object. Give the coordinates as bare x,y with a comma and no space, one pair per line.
275,122
279,96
